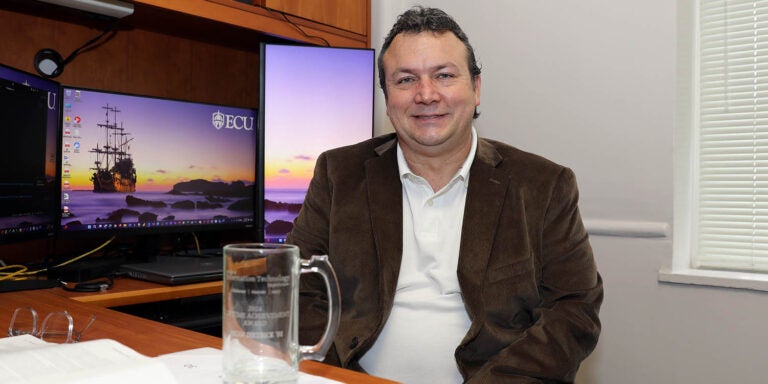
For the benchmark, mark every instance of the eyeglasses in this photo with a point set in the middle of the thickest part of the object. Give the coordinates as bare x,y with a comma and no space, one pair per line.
57,327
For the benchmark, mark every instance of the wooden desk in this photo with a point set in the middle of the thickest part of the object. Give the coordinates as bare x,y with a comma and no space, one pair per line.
127,291
145,336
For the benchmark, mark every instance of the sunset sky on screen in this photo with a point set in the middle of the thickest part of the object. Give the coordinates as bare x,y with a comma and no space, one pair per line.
316,99
173,141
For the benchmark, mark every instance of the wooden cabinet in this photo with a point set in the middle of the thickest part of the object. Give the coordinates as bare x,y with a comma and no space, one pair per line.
349,15
340,23
138,60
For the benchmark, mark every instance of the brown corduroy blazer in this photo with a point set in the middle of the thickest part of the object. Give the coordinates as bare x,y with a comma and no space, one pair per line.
526,269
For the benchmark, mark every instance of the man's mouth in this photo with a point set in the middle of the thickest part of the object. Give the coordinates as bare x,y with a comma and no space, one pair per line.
429,116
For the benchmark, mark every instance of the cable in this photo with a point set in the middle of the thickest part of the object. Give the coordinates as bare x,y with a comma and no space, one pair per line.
197,243
90,42
89,286
298,28
22,271
72,260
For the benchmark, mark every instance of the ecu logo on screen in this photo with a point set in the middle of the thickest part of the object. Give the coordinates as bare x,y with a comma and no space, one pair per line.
221,120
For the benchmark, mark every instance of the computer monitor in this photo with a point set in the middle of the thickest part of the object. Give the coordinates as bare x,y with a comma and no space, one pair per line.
134,164
29,113
311,99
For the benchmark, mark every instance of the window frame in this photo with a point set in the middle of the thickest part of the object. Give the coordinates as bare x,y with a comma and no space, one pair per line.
678,266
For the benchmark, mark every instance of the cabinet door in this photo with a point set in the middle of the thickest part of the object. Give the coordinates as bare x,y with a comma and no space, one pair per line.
350,15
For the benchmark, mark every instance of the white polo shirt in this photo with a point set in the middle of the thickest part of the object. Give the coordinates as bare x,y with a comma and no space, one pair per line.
428,319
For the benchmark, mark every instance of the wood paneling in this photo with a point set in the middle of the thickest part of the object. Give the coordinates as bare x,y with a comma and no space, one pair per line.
350,15
136,61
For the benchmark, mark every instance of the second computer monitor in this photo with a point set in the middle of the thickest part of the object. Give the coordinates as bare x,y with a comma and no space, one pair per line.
312,99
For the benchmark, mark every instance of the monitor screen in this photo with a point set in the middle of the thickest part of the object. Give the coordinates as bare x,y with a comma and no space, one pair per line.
29,106
139,164
312,99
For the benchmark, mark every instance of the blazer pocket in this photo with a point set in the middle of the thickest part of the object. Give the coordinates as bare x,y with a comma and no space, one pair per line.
513,269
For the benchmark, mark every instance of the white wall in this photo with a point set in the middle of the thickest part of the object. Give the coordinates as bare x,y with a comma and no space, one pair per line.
591,84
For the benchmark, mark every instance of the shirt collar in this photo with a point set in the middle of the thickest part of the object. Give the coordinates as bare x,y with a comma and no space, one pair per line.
462,173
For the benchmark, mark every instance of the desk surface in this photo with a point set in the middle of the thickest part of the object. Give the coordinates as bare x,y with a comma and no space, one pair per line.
127,291
145,336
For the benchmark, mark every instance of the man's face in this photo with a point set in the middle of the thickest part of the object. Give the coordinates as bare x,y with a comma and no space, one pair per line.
431,96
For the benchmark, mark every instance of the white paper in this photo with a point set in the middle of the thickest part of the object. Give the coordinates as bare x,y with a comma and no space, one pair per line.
17,343
27,360
204,366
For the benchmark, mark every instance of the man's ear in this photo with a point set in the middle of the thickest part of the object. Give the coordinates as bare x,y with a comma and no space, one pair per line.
477,83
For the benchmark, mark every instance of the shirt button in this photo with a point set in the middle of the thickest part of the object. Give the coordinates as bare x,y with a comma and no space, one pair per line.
354,343
429,203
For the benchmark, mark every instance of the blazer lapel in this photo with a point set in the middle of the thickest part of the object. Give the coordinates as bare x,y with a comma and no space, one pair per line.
485,196
385,201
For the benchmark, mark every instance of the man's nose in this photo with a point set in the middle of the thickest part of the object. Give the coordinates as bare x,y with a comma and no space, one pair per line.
426,92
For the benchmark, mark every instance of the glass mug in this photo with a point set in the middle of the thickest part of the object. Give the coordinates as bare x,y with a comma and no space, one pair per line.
260,326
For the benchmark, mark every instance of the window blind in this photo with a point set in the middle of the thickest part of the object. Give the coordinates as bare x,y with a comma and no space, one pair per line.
732,181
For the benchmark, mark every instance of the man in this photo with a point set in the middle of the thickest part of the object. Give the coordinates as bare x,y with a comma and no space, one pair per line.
458,258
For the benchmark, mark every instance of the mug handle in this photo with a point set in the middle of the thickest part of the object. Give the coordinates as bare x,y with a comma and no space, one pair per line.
321,265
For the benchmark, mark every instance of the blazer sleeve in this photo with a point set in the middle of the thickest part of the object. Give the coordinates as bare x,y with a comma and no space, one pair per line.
310,234
565,325
311,226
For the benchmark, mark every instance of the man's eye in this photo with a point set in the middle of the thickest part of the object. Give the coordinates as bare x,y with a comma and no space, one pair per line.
405,80
444,76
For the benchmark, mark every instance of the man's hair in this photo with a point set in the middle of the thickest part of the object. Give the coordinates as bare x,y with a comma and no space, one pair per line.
421,19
